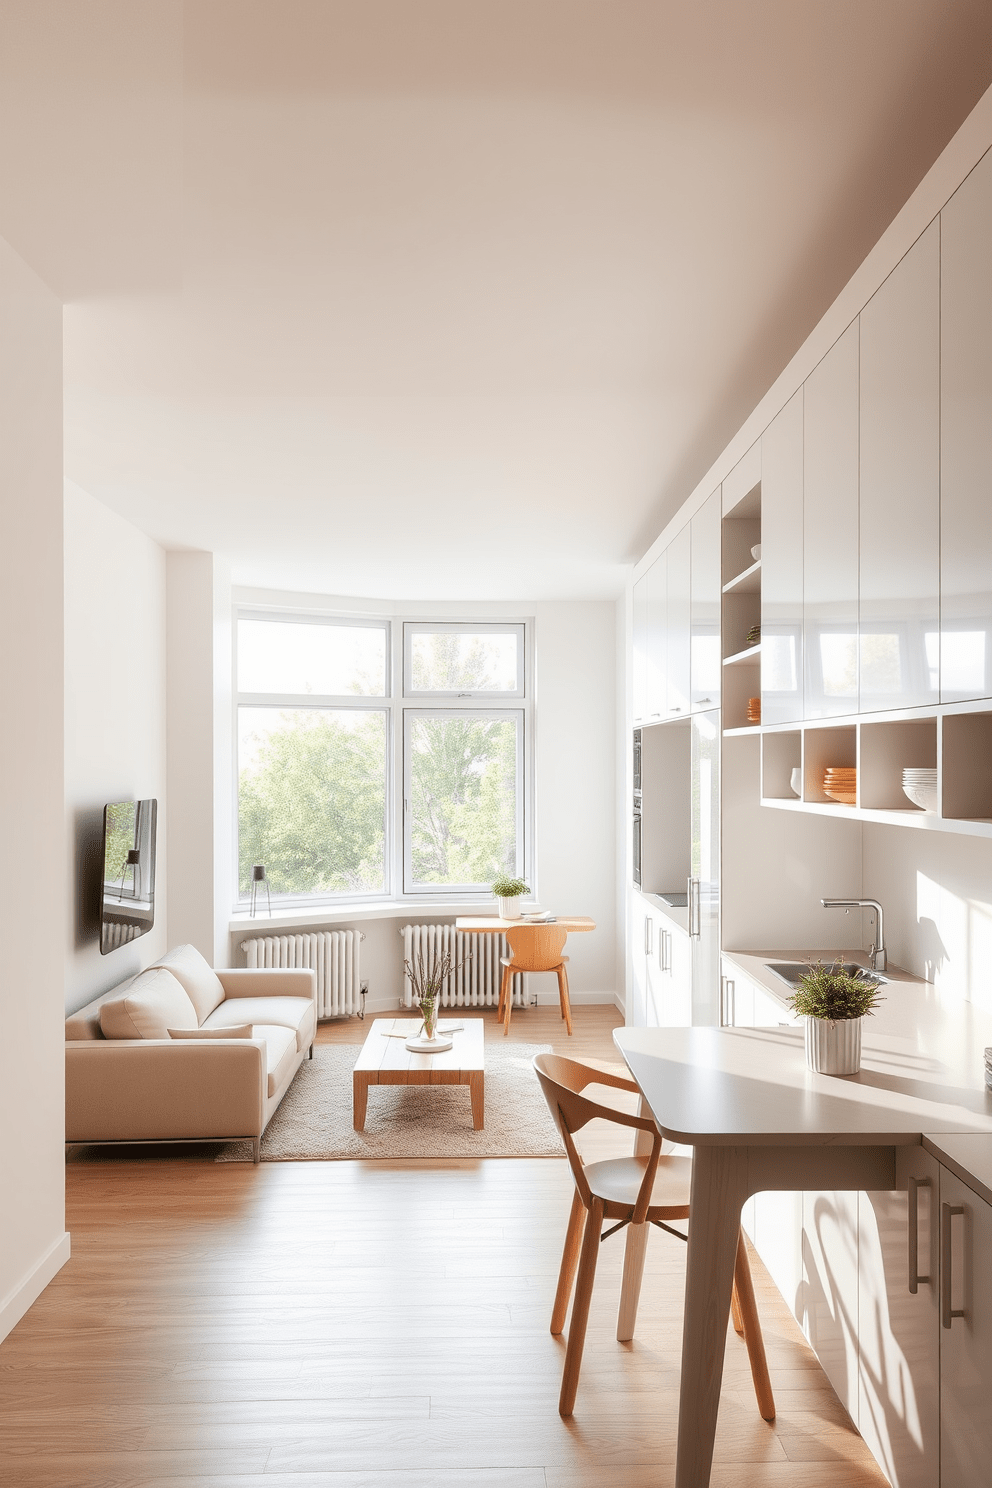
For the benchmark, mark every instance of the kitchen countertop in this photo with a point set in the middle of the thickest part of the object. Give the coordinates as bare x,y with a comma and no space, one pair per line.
942,1035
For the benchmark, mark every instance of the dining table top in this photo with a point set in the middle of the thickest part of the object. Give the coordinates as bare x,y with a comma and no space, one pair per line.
493,925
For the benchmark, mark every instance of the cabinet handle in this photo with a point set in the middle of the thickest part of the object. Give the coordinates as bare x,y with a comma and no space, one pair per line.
947,1312
695,908
648,927
664,951
728,1009
915,1184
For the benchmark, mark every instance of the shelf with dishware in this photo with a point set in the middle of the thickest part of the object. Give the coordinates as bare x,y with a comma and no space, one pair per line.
932,771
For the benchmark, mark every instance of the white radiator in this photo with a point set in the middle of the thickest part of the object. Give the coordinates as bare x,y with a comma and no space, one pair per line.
332,954
476,982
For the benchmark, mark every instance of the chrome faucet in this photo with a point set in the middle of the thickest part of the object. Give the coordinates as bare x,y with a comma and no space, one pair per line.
876,953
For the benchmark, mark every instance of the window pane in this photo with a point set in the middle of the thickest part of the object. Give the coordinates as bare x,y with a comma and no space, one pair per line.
312,799
457,661
839,662
463,798
327,660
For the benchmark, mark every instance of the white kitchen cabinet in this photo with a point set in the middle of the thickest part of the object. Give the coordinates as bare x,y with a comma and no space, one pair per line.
679,577
704,615
830,1288
656,691
670,977
782,566
830,531
899,562
966,439
639,650
704,882
898,1324
965,1229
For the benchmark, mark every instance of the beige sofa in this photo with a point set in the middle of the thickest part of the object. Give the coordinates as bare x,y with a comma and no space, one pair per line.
184,1053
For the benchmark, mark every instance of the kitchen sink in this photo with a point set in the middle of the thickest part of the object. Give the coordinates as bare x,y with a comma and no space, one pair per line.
790,971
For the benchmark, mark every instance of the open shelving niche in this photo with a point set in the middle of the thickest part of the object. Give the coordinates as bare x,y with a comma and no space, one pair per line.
741,581
956,742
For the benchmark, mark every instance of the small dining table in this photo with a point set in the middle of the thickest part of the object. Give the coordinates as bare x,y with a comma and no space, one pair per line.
493,925
757,1119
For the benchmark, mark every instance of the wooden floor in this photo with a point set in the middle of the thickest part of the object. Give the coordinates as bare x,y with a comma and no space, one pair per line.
372,1325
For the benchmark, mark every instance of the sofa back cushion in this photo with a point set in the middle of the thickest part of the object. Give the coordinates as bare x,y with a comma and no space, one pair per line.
199,981
152,1004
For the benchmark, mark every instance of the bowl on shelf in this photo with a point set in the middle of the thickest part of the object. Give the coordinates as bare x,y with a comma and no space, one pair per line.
796,780
756,552
840,783
919,785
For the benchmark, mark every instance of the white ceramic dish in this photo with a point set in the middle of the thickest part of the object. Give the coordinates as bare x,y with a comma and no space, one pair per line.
756,552
924,796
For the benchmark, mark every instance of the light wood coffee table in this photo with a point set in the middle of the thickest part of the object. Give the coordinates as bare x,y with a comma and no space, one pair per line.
387,1061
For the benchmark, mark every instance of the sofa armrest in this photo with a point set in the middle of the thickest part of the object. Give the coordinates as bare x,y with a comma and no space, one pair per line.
268,981
147,1090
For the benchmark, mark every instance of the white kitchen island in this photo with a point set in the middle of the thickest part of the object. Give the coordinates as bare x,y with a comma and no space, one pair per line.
759,1120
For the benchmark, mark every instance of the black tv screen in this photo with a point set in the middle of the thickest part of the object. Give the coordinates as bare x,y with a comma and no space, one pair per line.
127,905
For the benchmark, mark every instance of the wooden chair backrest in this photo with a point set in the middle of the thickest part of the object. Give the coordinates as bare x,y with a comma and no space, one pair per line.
536,947
562,1081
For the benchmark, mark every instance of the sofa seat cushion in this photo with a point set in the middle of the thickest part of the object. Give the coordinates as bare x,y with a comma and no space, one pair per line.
152,1004
198,980
288,1012
280,1052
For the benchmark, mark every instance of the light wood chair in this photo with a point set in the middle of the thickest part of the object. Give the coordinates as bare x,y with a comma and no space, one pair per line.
637,1191
534,948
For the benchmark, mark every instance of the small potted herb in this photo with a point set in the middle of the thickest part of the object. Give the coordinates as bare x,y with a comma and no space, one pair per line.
506,892
834,999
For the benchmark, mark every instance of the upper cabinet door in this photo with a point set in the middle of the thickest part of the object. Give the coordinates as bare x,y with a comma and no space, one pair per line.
679,562
639,659
704,615
900,474
830,531
782,566
656,700
966,439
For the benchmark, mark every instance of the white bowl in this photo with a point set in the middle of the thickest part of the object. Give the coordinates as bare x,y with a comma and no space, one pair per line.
756,552
922,795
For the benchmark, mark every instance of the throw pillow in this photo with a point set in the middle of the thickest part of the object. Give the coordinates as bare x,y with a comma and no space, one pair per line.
153,1003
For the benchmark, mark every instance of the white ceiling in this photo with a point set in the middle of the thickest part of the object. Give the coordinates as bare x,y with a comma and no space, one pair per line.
449,298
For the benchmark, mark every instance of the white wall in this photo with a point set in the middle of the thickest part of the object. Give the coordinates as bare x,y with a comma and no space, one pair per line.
200,757
574,789
114,723
33,1242
936,891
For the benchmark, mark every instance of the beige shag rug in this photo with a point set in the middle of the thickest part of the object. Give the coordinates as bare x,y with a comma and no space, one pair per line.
315,1120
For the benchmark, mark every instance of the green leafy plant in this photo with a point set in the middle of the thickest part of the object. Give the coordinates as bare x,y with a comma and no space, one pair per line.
508,888
835,993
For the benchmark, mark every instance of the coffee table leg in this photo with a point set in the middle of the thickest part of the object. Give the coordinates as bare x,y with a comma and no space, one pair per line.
361,1090
477,1090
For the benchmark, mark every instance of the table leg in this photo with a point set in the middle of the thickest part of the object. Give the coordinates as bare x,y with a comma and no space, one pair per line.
717,1197
477,1090
360,1087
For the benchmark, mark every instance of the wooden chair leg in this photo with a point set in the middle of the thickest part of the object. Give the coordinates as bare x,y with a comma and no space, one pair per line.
735,1312
744,1289
635,1249
580,1308
504,983
566,1009
508,1003
569,1261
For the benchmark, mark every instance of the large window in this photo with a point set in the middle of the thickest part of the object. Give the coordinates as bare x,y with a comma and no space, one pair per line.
378,760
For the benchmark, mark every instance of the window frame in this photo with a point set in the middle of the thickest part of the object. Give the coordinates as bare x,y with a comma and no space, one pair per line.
464,627
461,891
396,702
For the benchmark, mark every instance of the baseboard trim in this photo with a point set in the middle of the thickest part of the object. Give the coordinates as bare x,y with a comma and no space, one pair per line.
17,1302
379,1008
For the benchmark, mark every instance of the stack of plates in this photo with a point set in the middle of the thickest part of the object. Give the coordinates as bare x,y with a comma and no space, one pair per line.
920,785
840,783
754,710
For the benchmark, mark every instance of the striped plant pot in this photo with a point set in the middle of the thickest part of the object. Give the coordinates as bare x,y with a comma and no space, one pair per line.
834,1048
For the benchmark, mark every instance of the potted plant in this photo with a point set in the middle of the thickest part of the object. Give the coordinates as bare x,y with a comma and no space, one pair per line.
507,893
834,1000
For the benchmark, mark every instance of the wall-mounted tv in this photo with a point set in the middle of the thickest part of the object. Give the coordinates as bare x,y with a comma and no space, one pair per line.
127,904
